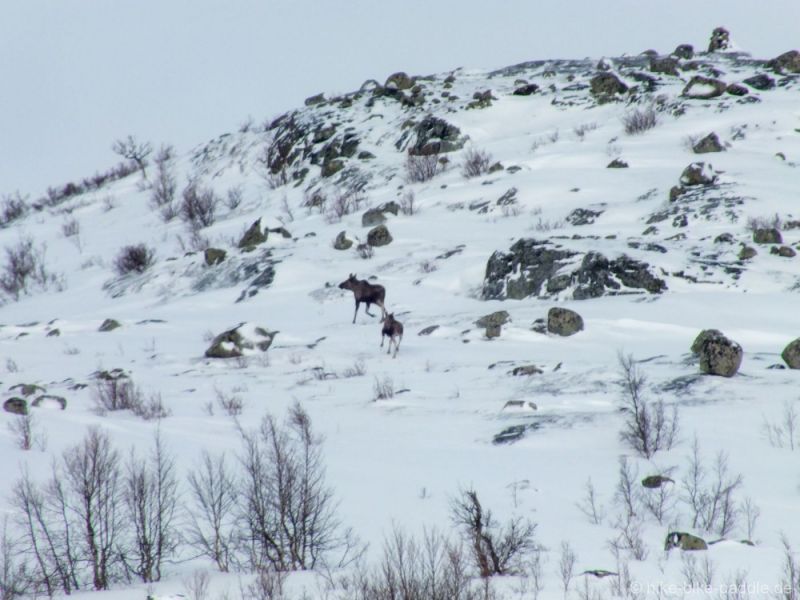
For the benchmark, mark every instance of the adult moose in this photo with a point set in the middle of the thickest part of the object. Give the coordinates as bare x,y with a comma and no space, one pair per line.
364,291
394,329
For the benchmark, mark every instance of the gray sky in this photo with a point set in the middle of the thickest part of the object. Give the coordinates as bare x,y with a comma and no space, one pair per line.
77,74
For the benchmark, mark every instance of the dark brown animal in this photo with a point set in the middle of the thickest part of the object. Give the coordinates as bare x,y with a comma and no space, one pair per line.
364,291
394,329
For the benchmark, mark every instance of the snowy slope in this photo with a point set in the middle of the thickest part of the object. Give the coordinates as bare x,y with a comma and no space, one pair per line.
400,460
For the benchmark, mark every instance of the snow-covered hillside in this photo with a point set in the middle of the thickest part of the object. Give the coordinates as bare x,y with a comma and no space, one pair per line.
649,255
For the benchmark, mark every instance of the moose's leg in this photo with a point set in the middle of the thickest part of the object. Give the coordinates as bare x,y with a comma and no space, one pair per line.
355,313
383,309
382,336
366,310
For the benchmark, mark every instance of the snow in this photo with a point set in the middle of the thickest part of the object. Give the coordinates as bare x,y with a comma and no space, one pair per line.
402,459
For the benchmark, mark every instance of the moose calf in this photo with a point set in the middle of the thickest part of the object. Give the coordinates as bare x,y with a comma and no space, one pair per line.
394,329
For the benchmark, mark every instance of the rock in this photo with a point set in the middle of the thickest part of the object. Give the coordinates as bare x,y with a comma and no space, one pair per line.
767,235
791,354
684,541
109,325
239,340
16,406
583,216
736,89
214,256
314,100
253,236
684,51
617,163
701,338
761,82
481,99
710,143
492,331
666,65
428,330
788,62
284,233
563,321
379,236
341,242
498,166
655,481
675,192
720,40
724,238
323,134
435,136
539,326
526,370
365,155
50,401
747,252
704,88
495,319
27,389
698,173
597,275
784,251
400,81
526,89
606,85
331,167
54,332
377,215
718,354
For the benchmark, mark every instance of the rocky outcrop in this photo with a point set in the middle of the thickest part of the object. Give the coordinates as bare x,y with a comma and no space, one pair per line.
563,321
666,65
788,62
253,237
435,136
242,339
718,355
537,268
720,40
791,354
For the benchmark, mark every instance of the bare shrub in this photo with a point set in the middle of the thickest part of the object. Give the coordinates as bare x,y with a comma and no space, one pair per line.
131,149
212,528
496,550
24,430
359,369
383,389
268,584
640,120
660,502
476,163
151,408
647,428
427,266
12,207
197,584
152,500
231,404
162,195
14,580
626,492
629,537
344,201
783,433
710,494
421,168
581,130
287,511
199,206
234,197
590,505
71,228
790,572
566,566
118,393
24,269
408,204
136,258
751,514
764,222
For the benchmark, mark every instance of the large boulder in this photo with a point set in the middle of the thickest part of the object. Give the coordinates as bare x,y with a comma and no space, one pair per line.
399,81
720,40
761,82
379,236
709,143
563,321
791,354
605,86
718,354
788,62
704,88
342,242
698,173
243,339
16,406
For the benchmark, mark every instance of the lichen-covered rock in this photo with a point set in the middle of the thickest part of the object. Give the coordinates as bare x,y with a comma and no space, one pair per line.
784,251
342,242
400,81
684,51
737,89
526,89
718,354
791,354
666,65
50,401
606,85
109,325
214,256
709,143
767,235
495,319
314,100
253,237
435,136
698,173
379,236
704,88
583,216
684,541
563,321
243,339
788,62
761,82
720,40
747,252
331,167
16,406
701,338
27,389
377,215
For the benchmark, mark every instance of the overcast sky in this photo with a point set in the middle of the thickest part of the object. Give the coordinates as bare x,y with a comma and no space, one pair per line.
77,74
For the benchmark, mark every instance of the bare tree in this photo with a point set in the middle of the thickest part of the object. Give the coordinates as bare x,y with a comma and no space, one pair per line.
151,496
647,428
496,550
14,578
162,196
660,501
566,566
23,429
199,206
24,269
590,506
211,530
790,576
131,149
